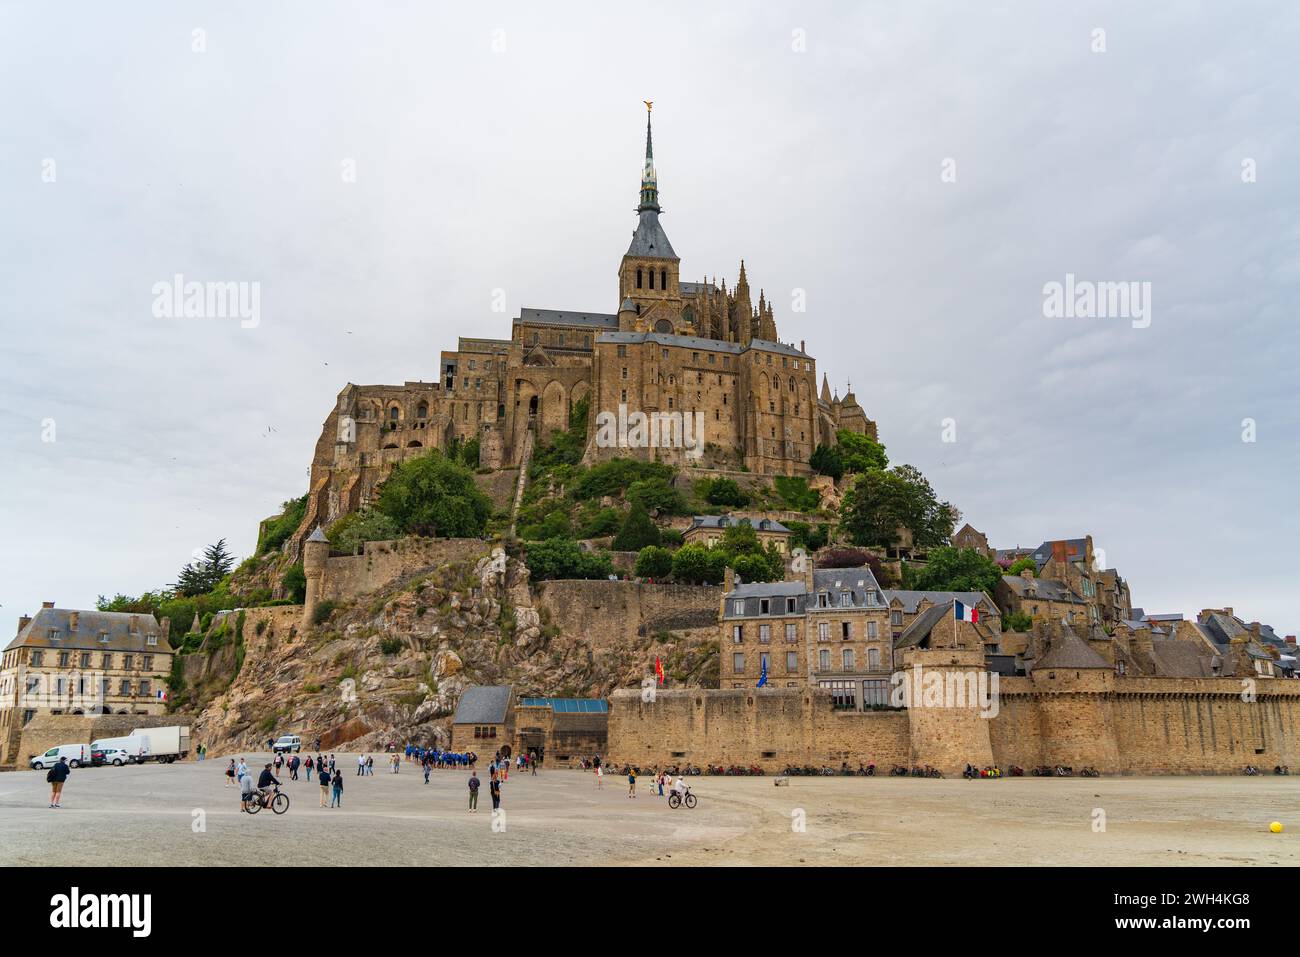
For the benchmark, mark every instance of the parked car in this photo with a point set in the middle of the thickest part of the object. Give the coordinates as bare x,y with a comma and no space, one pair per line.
77,755
115,756
129,749
287,742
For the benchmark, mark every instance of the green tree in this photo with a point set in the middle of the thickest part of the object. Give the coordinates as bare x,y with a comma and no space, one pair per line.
275,531
562,558
431,495
353,530
200,577
958,569
725,492
637,531
654,562
827,460
1017,621
696,564
656,493
1019,565
883,501
758,567
294,581
860,453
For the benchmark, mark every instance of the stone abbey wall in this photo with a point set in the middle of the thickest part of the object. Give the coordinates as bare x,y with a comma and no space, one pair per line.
382,563
1119,726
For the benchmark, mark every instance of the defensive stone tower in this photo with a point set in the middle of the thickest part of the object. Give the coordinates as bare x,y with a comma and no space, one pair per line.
1075,688
951,701
315,554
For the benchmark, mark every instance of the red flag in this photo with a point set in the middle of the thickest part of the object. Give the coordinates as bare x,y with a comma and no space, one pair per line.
659,669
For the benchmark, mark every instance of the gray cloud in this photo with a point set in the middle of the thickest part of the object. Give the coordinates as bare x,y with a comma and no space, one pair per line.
518,170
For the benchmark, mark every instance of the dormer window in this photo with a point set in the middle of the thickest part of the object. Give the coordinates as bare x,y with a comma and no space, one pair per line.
53,634
103,637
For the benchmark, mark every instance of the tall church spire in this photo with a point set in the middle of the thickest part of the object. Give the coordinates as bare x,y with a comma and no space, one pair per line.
649,181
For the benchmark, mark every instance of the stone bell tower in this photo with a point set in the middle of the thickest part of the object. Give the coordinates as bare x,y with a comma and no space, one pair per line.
648,275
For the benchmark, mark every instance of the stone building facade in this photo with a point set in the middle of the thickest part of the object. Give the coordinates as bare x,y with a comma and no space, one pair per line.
701,361
67,661
828,629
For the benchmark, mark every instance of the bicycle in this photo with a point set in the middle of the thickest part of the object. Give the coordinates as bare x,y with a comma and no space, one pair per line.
676,800
279,802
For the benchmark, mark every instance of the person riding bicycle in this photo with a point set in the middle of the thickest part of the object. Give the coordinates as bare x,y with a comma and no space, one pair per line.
679,787
264,781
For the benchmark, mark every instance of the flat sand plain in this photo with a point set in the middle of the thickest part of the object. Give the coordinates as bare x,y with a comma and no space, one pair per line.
182,815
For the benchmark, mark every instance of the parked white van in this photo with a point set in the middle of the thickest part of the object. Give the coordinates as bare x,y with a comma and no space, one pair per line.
286,743
76,755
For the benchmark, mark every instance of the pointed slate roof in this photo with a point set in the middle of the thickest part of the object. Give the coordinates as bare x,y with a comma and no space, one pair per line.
318,536
1069,651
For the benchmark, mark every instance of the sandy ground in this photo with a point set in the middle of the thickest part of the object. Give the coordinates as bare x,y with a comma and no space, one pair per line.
181,814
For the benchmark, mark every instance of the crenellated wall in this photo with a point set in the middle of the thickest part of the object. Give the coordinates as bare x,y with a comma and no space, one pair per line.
1077,718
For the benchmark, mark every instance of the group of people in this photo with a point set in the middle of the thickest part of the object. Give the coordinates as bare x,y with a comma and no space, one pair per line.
237,773
663,782
499,771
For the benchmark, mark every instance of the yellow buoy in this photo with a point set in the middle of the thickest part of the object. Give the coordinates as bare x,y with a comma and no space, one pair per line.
1276,827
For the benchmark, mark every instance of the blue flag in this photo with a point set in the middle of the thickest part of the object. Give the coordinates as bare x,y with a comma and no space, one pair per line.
762,678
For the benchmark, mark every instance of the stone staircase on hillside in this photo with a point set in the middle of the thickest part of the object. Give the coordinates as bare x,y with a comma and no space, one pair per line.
525,459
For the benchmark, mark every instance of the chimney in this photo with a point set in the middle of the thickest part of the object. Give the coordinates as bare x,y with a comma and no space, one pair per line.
73,618
47,604
1290,640
809,583
26,620
166,626
135,624
1027,574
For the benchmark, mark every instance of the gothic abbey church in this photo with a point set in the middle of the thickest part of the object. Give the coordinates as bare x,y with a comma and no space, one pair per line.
673,348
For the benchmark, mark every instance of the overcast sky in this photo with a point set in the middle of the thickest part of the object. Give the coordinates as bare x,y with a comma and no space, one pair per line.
920,171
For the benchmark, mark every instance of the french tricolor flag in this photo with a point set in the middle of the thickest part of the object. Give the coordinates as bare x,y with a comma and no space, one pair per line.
962,612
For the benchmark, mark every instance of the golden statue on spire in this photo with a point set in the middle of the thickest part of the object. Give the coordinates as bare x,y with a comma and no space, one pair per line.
649,105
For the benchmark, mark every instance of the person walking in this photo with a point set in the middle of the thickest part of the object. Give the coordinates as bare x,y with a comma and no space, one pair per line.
230,773
324,778
631,782
428,766
337,784
245,791
599,777
370,765
495,790
473,792
307,764
361,764
56,776
241,771
293,768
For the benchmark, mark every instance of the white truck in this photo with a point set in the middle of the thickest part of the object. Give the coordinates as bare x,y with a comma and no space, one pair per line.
164,745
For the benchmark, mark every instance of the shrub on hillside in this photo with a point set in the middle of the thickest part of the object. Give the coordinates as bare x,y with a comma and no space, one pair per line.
654,562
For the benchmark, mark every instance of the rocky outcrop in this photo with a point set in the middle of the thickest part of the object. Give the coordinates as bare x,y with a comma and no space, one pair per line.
391,666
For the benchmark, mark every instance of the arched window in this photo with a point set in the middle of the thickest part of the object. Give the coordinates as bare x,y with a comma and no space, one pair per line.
663,279
652,278
638,279
422,410
393,414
